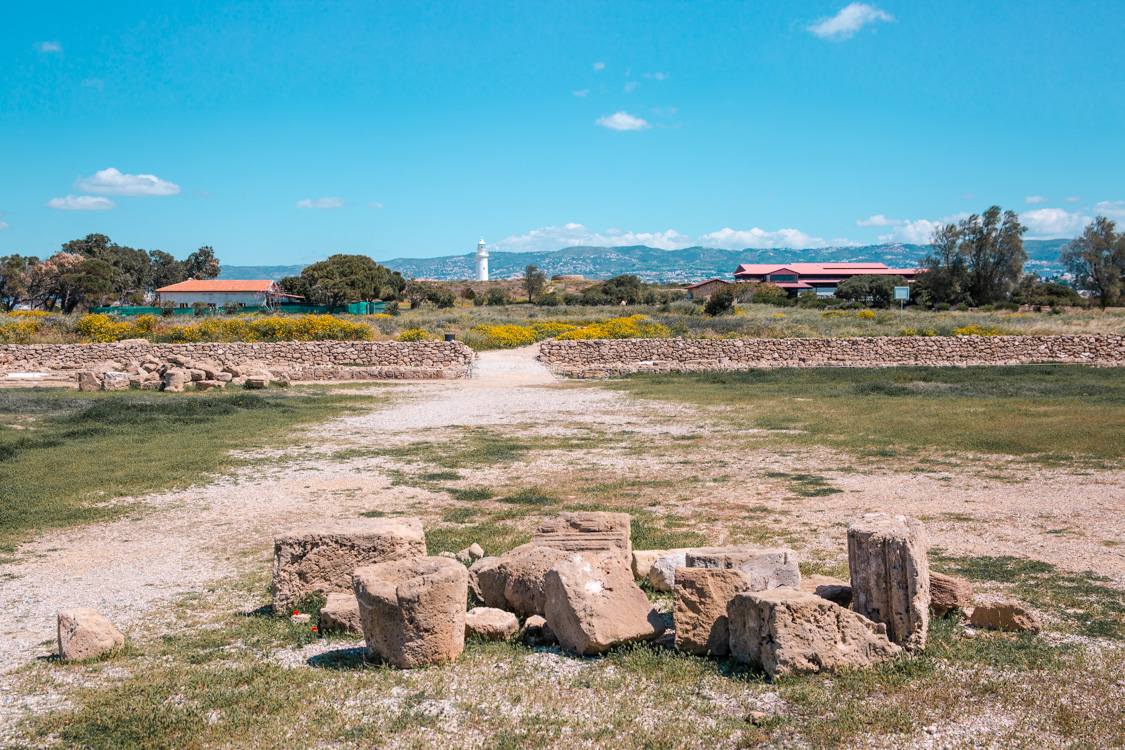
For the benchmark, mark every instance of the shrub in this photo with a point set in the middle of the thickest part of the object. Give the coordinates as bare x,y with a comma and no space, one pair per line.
102,329
414,334
943,307
962,307
548,299
720,302
198,308
1009,306
231,308
634,327
441,297
497,297
391,308
977,330
504,336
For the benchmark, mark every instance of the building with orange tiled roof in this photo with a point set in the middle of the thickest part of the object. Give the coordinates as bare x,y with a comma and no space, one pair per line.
219,292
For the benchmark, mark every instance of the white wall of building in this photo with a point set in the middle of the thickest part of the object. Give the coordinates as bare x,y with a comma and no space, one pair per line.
212,298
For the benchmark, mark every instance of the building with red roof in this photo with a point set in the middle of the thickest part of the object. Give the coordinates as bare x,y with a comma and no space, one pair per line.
219,292
822,278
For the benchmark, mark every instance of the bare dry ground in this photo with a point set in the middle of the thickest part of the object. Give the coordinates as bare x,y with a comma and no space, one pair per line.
483,460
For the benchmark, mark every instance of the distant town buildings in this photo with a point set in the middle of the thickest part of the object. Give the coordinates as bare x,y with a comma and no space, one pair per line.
822,278
482,261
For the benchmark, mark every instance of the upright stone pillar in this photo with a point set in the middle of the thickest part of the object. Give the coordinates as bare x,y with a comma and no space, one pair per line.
891,576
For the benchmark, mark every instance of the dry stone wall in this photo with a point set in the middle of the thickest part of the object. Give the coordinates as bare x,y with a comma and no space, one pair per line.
609,357
303,360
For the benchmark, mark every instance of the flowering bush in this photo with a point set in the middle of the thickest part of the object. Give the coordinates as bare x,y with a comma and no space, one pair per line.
20,330
30,313
271,328
414,334
633,327
918,332
550,329
103,329
975,330
504,336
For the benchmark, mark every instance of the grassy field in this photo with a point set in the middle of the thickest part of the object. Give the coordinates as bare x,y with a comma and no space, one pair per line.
67,457
1048,414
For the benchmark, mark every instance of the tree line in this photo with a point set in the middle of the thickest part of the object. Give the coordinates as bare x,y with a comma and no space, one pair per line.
95,271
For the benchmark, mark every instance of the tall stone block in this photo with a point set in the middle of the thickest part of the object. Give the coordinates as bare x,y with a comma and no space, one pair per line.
413,611
699,608
891,575
320,559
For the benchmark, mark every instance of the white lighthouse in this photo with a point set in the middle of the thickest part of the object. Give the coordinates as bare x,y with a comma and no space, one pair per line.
482,261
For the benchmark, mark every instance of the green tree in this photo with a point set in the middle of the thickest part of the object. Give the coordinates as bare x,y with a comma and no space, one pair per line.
165,270
343,279
533,281
202,264
497,297
721,301
872,289
1097,260
15,279
625,288
49,285
130,269
441,297
94,280
299,286
977,261
417,292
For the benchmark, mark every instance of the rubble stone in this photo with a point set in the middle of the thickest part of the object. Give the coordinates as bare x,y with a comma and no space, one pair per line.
84,634
341,613
514,580
787,631
413,611
887,557
490,624
699,608
642,561
662,574
320,559
1008,616
593,531
948,593
593,604
766,568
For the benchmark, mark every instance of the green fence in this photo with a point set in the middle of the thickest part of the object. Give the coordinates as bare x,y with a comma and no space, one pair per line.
356,308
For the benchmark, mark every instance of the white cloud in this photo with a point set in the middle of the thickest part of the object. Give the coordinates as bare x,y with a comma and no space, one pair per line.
599,66
912,232
4,225
732,239
622,121
1072,198
581,94
1053,223
112,182
81,203
374,204
656,76
1035,199
878,220
848,21
1111,209
321,203
631,86
49,47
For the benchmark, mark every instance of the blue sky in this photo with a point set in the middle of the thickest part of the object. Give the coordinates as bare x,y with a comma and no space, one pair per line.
282,132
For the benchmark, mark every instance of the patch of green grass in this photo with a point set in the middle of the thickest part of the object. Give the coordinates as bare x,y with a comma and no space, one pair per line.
440,476
530,496
1049,414
805,485
82,451
650,532
1094,608
471,494
495,538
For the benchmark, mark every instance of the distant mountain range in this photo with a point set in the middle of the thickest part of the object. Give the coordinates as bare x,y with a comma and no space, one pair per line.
654,265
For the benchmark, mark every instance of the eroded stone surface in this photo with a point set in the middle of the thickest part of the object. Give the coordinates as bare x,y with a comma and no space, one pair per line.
593,604
765,568
320,559
514,580
887,557
592,531
948,593
642,561
413,611
700,608
490,623
787,631
1008,616
662,574
341,613
84,634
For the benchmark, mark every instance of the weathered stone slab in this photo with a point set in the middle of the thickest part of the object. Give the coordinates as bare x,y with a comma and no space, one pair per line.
662,574
413,611
514,580
699,608
766,568
787,631
1008,616
593,604
84,634
490,624
891,575
948,593
642,561
587,532
89,381
341,613
320,559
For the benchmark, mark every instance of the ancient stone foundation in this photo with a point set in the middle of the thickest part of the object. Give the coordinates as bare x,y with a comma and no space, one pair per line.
613,357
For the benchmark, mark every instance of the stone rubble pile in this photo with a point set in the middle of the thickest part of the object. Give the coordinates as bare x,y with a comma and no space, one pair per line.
576,584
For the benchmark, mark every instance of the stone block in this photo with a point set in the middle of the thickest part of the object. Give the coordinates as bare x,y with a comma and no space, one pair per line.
662,574
413,611
826,587
887,557
766,568
948,593
593,604
320,559
699,608
84,634
514,580
116,381
341,613
89,381
642,561
587,532
1007,616
490,624
787,631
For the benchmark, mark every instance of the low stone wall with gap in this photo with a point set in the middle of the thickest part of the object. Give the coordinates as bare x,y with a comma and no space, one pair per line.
596,358
305,360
